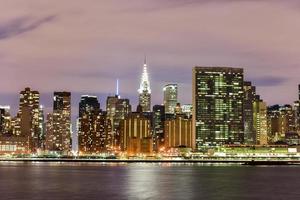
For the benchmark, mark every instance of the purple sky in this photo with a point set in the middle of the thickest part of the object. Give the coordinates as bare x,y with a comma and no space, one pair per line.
83,46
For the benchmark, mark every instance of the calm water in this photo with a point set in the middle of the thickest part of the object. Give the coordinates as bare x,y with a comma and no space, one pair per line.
146,181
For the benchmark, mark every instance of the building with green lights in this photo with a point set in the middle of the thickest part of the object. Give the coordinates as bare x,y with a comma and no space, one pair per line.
218,106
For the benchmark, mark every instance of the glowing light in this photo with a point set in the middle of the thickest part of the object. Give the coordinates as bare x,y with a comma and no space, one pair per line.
145,84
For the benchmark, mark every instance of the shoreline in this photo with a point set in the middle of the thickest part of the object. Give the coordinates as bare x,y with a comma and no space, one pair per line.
187,161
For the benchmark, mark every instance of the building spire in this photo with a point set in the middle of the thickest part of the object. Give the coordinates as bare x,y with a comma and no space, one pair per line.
145,83
117,89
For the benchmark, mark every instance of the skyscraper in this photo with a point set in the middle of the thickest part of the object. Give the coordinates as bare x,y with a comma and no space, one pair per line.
145,91
260,121
61,130
2,117
218,106
117,109
94,131
170,97
249,99
158,126
29,114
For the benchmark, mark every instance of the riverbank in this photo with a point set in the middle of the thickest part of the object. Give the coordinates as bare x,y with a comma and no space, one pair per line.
237,161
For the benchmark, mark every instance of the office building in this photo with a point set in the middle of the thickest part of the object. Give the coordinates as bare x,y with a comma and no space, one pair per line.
178,132
218,106
260,121
94,129
158,126
117,109
30,122
134,128
61,140
170,97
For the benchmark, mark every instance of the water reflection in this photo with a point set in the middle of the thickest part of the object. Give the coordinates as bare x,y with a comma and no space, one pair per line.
146,181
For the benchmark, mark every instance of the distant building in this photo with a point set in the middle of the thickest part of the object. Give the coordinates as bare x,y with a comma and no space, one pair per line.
134,129
94,131
5,121
170,97
59,138
178,132
218,106
145,91
117,109
187,110
2,116
14,144
30,122
281,120
260,121
158,126
249,99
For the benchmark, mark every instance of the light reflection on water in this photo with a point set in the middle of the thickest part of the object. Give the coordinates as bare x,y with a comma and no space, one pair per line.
58,180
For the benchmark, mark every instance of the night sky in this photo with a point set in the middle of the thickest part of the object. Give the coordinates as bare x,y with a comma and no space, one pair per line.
83,46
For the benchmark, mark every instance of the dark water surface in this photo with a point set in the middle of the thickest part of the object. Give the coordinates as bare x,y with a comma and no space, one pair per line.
73,181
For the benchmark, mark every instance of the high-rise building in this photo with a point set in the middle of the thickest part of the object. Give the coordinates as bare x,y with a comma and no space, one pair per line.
61,124
218,106
89,104
42,129
145,91
281,120
50,138
249,99
260,121
94,129
117,109
2,117
158,126
29,114
170,97
297,111
178,132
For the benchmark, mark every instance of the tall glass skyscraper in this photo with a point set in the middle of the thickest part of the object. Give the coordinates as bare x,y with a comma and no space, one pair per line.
218,106
145,91
170,97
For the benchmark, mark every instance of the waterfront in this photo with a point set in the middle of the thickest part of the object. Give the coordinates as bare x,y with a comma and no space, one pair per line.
38,180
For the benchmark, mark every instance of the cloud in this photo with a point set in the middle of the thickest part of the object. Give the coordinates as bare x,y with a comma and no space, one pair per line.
22,25
269,81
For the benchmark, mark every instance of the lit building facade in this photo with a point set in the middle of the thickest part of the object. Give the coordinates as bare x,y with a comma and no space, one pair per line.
187,110
218,106
170,97
117,109
60,134
134,128
178,132
145,91
158,126
260,121
94,129
249,100
30,122
281,120
5,121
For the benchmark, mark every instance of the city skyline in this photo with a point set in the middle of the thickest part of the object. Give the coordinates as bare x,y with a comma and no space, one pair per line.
47,104
36,49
